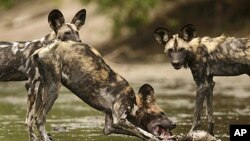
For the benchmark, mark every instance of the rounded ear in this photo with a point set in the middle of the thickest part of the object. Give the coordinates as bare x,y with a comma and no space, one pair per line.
56,19
79,18
162,35
188,32
146,95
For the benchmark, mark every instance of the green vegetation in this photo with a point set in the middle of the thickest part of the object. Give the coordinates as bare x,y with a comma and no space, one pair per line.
126,13
6,4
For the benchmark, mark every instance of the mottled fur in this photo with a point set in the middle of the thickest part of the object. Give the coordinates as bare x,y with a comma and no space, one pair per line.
14,55
63,32
223,49
82,70
206,57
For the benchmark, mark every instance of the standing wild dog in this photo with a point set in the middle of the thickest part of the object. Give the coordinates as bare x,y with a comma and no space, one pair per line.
206,57
82,70
14,56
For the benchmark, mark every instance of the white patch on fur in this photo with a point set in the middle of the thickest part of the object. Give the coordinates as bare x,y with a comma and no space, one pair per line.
72,26
65,76
119,78
42,39
170,43
134,110
4,46
14,48
26,44
212,43
147,134
35,40
194,44
95,52
180,43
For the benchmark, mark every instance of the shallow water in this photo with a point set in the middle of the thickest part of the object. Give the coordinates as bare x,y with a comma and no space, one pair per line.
73,120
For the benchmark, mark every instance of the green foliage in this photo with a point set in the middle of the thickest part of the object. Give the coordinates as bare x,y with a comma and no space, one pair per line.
6,4
126,13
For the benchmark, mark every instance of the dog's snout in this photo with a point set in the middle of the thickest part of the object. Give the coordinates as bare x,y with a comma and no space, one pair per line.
176,63
173,125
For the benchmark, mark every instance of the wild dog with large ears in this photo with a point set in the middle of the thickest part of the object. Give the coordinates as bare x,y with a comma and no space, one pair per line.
176,46
206,57
14,55
69,31
84,72
61,31
149,116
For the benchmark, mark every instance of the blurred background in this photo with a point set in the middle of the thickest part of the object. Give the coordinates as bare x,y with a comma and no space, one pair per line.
123,30
123,33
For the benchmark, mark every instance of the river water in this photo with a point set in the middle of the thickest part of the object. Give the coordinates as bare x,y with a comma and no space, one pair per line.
72,120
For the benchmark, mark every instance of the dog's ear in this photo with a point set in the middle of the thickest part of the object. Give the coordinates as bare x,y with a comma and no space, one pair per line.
146,95
188,32
162,35
56,19
79,19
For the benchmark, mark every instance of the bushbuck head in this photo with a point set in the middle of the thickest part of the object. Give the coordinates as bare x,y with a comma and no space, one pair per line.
176,44
149,116
66,31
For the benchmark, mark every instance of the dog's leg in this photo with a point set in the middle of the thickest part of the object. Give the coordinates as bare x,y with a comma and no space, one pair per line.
109,129
50,79
29,116
49,97
209,104
202,90
200,96
120,122
32,88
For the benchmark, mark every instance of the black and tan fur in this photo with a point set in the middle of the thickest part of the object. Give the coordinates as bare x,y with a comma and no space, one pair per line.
82,70
14,55
206,57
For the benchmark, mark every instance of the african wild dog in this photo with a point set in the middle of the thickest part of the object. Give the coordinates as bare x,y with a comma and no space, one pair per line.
14,55
206,57
82,70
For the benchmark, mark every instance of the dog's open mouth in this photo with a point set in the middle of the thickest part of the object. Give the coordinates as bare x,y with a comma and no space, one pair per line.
161,133
177,67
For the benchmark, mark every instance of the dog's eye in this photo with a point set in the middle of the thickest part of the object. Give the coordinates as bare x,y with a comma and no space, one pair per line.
170,50
67,33
182,49
162,113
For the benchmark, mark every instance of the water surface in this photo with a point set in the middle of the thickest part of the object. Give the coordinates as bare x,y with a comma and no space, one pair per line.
73,120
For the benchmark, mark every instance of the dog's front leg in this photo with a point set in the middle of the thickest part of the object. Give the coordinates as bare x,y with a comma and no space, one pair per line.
209,104
133,130
109,128
200,78
200,96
